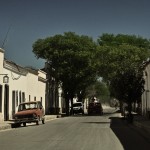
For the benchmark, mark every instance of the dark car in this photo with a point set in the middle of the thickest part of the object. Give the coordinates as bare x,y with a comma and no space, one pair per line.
95,108
78,108
29,112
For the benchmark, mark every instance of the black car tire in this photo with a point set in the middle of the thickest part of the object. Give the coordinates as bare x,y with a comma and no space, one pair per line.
24,124
43,121
16,125
37,122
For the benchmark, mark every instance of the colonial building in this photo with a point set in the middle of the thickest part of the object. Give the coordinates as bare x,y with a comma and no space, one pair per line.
25,84
55,103
146,94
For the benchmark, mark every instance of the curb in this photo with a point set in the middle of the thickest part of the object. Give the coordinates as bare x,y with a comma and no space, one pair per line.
8,125
50,117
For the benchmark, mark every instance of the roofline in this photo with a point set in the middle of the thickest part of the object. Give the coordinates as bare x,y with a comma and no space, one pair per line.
2,50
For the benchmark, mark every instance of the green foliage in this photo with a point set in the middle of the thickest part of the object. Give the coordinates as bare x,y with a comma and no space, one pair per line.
78,60
120,57
72,56
121,39
100,90
127,87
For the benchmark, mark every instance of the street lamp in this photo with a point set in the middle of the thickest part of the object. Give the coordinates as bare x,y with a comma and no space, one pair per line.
5,78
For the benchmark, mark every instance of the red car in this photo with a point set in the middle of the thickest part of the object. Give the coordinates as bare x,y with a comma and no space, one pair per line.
29,112
95,108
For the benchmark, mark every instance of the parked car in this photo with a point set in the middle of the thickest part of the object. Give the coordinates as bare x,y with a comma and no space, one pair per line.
29,112
78,108
95,108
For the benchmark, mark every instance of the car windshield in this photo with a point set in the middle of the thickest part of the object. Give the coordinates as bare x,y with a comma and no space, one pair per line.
26,106
77,104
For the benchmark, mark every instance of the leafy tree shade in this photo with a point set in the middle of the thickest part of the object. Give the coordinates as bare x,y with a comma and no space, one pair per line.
120,57
120,39
72,56
100,90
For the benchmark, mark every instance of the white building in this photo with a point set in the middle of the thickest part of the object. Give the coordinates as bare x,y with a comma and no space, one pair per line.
25,84
146,94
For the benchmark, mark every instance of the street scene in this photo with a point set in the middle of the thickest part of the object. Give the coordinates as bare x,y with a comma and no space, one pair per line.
74,75
81,132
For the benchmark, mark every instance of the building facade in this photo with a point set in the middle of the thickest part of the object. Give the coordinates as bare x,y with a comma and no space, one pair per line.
25,84
55,102
146,93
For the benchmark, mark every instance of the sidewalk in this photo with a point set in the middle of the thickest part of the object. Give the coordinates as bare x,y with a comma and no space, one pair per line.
7,124
141,122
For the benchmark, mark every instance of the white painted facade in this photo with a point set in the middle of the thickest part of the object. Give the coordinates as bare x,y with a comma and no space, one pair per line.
146,94
25,84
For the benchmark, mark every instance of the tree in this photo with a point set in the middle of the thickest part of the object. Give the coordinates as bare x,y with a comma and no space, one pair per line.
72,57
120,39
120,58
100,90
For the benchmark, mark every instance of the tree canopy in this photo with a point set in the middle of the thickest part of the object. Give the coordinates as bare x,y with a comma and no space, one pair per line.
72,57
120,59
77,60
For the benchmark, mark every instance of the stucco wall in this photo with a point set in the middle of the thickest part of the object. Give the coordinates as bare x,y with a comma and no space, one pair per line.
1,60
24,85
1,78
17,83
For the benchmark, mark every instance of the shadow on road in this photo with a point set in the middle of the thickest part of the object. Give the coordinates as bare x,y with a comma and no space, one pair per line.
128,135
85,115
21,126
97,122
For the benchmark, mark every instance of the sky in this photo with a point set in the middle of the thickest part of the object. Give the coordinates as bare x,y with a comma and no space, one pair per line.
22,22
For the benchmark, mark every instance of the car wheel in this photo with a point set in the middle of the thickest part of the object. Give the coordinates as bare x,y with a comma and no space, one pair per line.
24,124
43,120
37,122
16,125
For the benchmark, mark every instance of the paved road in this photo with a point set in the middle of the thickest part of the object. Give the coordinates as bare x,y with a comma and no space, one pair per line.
106,132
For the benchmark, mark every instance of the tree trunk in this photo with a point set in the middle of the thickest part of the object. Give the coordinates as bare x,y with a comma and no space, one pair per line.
130,115
67,106
121,107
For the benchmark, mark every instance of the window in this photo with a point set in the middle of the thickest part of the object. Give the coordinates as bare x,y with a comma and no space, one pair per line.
0,98
13,102
20,100
23,96
35,98
26,106
29,98
16,98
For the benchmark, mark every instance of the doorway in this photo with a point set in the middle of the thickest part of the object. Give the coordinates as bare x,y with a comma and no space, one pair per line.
13,103
6,103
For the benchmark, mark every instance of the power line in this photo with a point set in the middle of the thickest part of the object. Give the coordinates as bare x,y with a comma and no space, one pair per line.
6,36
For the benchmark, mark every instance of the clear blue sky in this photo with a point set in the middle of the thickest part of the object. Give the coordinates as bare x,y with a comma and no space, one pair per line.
29,20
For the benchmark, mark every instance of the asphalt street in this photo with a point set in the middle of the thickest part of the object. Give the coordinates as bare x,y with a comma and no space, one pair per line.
107,132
